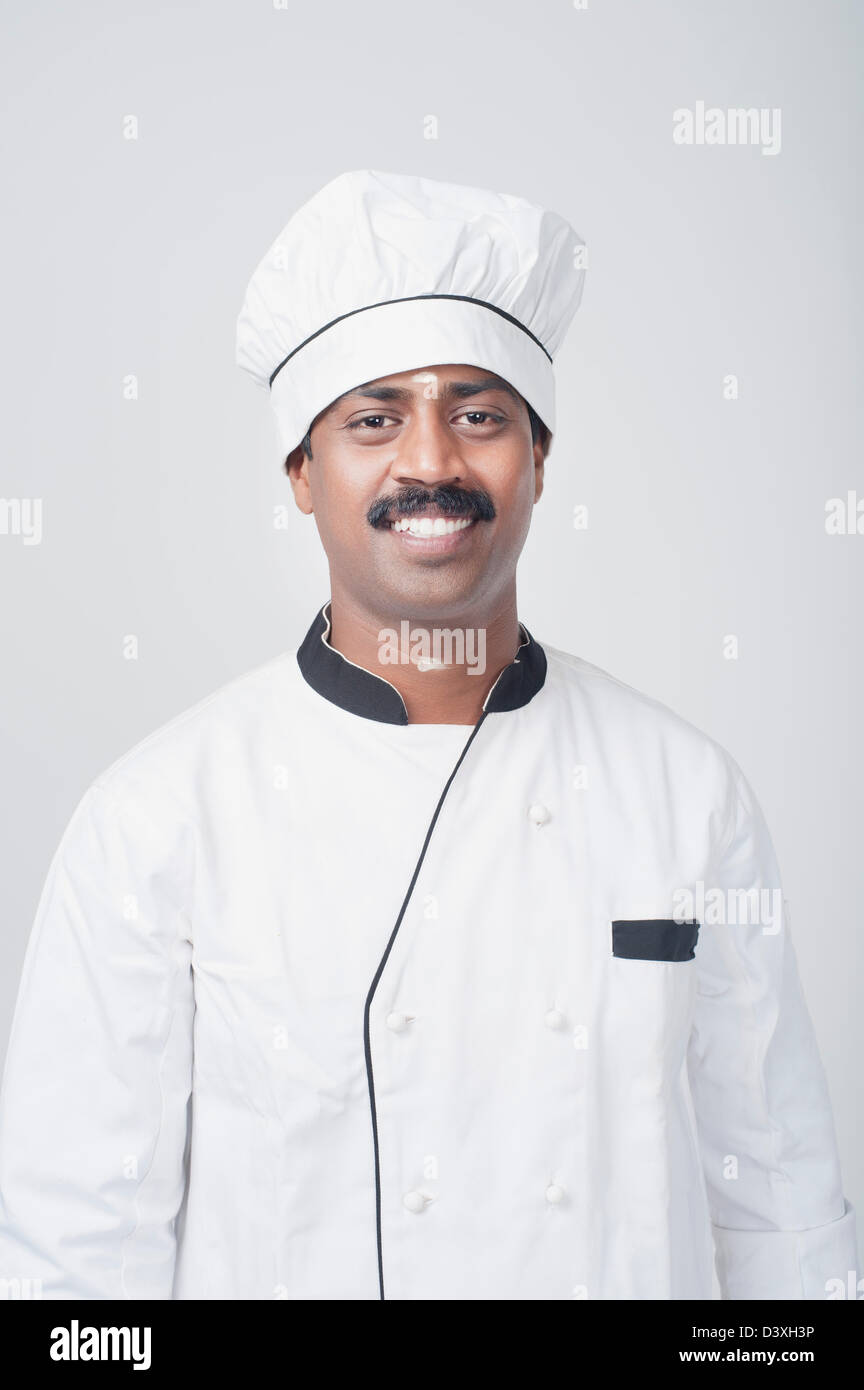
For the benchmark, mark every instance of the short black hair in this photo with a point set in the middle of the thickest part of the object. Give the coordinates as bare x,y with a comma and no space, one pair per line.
537,426
537,430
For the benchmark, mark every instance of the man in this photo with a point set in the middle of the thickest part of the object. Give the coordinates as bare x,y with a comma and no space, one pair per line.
425,961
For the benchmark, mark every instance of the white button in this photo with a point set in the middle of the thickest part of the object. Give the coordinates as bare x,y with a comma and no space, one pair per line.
554,1019
414,1201
538,814
554,1194
397,1022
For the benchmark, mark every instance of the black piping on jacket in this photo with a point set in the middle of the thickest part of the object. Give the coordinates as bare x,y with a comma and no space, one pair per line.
367,1042
361,692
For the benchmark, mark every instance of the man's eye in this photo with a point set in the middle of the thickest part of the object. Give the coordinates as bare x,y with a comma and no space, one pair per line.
368,420
482,417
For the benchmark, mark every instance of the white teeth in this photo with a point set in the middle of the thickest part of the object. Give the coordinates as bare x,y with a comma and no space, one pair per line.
430,526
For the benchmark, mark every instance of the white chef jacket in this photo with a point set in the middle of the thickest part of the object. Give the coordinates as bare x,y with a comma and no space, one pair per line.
321,1004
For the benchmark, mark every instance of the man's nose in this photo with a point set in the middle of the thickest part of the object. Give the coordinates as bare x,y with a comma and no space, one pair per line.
428,453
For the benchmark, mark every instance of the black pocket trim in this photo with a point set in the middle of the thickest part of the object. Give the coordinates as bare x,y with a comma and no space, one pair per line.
654,938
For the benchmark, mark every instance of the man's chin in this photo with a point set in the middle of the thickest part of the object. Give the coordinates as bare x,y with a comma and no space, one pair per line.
429,592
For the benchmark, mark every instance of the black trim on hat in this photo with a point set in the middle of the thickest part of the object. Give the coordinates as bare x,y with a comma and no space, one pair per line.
466,298
360,692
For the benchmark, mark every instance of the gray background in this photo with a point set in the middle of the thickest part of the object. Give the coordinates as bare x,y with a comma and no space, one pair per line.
706,516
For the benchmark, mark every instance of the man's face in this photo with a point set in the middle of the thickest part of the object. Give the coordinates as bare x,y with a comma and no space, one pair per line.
422,486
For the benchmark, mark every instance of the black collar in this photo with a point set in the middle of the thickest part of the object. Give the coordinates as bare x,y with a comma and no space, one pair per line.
358,691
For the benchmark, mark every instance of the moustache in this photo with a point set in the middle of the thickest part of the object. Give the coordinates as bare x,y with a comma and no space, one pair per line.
473,503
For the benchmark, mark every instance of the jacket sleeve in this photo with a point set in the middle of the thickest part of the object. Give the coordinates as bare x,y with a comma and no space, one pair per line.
782,1227
93,1109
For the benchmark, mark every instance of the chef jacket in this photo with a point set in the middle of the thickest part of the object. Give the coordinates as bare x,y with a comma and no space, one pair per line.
323,1004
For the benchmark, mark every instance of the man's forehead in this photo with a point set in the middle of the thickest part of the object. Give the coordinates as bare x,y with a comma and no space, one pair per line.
465,381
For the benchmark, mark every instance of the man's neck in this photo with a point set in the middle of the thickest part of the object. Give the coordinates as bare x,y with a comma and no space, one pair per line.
443,669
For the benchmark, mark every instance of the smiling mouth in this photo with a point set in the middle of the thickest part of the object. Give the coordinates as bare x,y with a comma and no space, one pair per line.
425,526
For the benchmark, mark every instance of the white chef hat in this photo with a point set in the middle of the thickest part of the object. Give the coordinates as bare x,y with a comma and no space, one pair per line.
378,273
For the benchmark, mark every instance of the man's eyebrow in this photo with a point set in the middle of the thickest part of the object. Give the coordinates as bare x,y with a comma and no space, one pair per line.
463,389
377,393
458,390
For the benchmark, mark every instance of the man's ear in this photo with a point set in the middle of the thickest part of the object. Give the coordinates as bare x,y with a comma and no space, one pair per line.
540,450
297,468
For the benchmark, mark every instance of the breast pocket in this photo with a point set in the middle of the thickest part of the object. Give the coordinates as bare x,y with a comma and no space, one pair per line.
654,938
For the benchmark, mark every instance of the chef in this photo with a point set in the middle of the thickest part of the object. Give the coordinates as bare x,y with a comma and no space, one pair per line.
375,979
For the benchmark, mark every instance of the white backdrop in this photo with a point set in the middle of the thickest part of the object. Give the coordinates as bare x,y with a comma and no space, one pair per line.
706,515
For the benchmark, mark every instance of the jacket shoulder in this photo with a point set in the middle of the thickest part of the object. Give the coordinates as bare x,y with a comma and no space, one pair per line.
163,763
632,716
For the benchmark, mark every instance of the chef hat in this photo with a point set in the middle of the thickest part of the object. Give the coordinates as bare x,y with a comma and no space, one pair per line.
378,273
